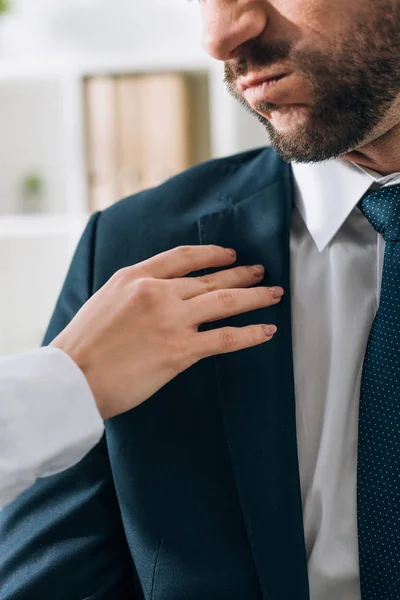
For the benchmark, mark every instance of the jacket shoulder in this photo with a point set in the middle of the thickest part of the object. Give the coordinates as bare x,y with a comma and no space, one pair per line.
201,189
167,216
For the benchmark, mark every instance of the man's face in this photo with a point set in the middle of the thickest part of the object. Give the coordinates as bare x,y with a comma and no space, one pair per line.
321,75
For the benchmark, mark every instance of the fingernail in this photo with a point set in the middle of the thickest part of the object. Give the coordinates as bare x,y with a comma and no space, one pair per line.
258,270
277,292
231,252
270,329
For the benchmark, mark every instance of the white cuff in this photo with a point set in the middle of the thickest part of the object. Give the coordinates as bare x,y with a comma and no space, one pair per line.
48,418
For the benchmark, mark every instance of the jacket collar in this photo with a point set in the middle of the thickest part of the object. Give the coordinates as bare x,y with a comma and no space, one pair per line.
256,387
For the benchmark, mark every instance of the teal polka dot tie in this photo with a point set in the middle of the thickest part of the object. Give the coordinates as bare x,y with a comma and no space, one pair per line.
378,487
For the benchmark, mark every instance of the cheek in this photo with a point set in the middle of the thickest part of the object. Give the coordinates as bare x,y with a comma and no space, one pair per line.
307,19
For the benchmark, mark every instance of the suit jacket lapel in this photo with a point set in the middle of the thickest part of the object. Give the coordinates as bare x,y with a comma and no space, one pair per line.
257,395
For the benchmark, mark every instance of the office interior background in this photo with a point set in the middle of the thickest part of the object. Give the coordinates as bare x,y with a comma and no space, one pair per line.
98,99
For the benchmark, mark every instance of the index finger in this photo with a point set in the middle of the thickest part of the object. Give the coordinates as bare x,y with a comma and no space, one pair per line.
184,260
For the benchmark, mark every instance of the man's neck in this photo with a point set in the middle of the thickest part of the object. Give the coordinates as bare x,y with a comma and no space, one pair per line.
381,154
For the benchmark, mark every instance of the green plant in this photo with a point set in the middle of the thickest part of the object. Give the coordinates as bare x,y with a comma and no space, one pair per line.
5,6
33,183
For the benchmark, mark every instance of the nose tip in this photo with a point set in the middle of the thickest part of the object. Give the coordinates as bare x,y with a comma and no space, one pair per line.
224,32
218,46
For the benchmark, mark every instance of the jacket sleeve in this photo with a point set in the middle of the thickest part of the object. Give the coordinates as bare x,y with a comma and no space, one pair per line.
63,538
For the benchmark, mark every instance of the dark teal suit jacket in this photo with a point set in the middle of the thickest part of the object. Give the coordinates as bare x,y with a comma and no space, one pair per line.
194,495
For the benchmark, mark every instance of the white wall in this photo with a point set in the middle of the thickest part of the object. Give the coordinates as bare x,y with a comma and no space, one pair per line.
32,271
31,141
100,26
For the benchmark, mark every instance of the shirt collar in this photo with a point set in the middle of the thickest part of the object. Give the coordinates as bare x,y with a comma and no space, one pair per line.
381,180
327,192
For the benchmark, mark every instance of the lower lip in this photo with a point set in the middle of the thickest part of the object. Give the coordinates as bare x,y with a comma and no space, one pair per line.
262,92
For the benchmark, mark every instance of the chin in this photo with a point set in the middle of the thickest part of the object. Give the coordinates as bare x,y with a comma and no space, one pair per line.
286,119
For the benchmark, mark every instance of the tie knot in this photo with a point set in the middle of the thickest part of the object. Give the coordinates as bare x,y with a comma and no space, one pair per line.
382,209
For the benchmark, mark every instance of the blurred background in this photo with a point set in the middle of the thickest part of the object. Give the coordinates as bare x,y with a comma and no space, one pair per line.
98,99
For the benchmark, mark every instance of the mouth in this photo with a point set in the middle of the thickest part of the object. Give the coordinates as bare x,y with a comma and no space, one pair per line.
252,82
266,89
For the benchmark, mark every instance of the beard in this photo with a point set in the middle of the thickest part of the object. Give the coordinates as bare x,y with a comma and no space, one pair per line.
354,84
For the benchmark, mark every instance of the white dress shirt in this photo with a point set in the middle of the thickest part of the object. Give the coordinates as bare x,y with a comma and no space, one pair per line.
336,271
48,418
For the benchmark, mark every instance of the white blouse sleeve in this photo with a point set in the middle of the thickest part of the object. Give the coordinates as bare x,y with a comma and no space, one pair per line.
48,418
